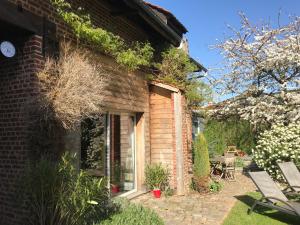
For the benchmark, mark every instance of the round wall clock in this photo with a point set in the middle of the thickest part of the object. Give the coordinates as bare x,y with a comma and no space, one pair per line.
7,49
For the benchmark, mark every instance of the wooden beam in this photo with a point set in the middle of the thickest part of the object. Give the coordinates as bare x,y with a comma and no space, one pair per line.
16,15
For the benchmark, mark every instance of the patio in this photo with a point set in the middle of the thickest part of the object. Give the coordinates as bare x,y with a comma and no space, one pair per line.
196,208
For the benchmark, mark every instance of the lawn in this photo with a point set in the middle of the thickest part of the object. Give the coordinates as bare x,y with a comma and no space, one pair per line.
261,216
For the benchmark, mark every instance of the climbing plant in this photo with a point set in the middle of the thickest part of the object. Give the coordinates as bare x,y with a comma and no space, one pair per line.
133,57
174,68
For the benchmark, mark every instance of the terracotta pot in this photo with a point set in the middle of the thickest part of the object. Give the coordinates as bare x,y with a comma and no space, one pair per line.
115,189
156,193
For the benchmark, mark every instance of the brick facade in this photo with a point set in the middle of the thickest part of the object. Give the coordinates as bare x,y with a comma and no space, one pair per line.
126,92
17,85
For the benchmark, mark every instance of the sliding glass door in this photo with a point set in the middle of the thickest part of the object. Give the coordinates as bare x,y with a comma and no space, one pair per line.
121,153
108,150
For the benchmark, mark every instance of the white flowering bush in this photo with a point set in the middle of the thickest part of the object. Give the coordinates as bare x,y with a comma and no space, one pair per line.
279,144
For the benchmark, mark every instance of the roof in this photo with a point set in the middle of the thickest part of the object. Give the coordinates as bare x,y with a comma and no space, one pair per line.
199,65
170,17
155,21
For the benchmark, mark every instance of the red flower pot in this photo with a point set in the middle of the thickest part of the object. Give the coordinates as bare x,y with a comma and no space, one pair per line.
115,189
157,193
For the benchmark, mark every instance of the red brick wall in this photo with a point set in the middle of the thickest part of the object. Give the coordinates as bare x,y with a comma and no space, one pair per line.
187,144
17,85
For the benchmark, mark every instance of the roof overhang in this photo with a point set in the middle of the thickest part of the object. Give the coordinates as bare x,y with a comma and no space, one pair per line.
17,16
154,21
200,67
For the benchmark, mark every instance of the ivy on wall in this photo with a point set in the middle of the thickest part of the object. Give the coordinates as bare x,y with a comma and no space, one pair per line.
174,68
140,54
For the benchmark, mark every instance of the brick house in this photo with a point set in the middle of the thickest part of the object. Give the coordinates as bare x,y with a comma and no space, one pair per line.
144,122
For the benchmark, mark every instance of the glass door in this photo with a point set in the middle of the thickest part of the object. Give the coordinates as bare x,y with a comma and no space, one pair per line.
121,153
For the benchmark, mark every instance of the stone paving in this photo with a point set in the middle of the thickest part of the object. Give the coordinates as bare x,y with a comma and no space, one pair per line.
195,208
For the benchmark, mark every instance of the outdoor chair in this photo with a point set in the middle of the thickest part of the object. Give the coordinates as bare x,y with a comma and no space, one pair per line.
273,197
228,168
291,175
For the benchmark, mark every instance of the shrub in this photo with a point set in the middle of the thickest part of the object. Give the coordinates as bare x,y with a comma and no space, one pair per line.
59,195
220,134
157,177
73,87
201,163
41,188
215,186
280,143
84,200
239,162
132,214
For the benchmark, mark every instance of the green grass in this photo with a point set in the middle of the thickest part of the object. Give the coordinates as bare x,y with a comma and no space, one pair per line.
261,215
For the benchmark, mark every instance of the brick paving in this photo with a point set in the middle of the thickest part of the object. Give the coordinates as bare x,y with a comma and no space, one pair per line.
195,208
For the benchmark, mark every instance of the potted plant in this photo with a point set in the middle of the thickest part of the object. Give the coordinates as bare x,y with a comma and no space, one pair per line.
157,178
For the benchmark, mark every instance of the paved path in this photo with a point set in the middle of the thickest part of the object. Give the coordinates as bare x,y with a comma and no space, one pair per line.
194,208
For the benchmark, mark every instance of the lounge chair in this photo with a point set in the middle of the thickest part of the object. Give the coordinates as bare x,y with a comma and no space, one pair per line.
291,175
272,195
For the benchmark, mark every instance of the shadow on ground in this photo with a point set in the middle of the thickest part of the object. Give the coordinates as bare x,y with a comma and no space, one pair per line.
282,217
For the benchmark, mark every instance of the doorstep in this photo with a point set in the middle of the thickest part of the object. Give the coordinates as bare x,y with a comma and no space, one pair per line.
136,194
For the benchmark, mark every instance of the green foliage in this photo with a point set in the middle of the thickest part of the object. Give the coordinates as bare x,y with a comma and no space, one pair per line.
133,58
138,55
132,214
40,187
279,144
197,93
215,186
92,142
220,134
175,67
157,177
84,200
59,195
201,157
239,162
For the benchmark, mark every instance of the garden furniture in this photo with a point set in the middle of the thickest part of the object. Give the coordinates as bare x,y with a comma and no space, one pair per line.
216,166
273,197
228,167
291,175
225,164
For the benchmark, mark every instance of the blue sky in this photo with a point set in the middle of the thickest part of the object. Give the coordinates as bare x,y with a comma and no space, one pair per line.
207,20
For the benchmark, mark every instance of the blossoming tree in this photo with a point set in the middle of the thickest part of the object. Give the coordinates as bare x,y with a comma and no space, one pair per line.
263,70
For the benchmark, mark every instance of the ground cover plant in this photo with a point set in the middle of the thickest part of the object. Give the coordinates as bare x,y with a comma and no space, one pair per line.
133,214
261,216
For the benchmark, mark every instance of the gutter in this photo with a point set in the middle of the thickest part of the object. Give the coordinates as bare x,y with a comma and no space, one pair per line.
154,21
